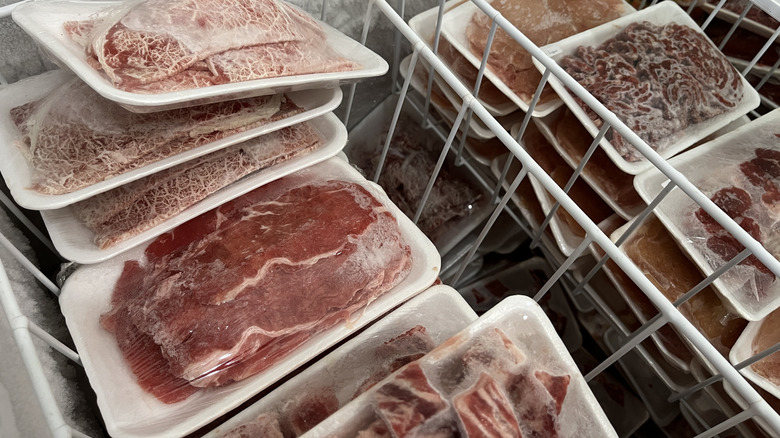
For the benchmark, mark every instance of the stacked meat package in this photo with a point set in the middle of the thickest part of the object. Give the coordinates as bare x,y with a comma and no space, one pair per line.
238,274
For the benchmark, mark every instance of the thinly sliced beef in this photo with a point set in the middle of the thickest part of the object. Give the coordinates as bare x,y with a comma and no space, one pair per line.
229,293
408,400
485,411
162,45
128,210
74,138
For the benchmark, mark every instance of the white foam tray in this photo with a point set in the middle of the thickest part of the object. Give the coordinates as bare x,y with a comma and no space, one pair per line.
439,309
43,21
424,25
524,322
76,242
129,411
743,350
18,175
660,14
702,166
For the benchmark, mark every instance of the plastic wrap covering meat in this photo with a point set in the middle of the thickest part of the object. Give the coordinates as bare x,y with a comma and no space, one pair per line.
74,138
740,173
483,382
656,254
543,22
454,201
212,302
658,79
156,46
766,336
123,212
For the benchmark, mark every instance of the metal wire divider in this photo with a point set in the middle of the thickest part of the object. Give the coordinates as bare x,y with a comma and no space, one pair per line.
669,314
23,329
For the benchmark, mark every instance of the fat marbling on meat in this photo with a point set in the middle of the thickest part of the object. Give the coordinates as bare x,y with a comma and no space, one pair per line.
227,294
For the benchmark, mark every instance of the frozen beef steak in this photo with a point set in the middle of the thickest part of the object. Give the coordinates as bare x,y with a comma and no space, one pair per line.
128,210
74,138
658,80
227,294
157,46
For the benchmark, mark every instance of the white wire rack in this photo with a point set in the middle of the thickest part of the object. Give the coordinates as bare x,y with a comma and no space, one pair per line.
580,284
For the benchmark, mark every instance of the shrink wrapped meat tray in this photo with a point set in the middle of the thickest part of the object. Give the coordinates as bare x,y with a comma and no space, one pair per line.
507,374
658,72
157,54
510,67
199,320
401,337
757,338
65,143
740,173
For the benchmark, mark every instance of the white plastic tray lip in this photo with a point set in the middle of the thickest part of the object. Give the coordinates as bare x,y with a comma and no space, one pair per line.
439,299
732,392
743,350
132,412
543,123
747,23
513,309
18,176
651,182
424,25
671,358
659,14
43,21
75,242
477,128
454,29
372,123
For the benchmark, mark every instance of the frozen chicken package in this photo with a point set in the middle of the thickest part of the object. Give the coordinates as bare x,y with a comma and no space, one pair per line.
180,331
740,173
151,55
507,374
681,87
402,336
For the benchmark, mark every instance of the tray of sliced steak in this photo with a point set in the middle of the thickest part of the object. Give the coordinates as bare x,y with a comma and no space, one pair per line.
403,336
659,74
109,223
65,143
740,173
507,374
178,332
160,54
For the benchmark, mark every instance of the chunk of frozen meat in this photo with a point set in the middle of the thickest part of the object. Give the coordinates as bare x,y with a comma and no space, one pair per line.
215,296
310,409
485,411
265,425
397,352
493,353
74,138
408,400
126,211
538,398
200,43
767,335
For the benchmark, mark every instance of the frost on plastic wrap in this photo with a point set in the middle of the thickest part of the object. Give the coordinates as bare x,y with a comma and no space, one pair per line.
128,210
658,80
483,386
543,22
157,46
74,138
211,303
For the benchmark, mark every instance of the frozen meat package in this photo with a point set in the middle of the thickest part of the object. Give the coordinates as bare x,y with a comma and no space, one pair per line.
182,330
404,335
680,89
506,374
151,55
757,338
509,66
66,143
740,173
